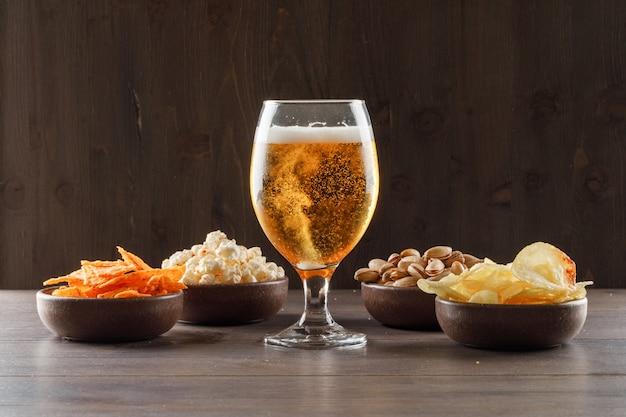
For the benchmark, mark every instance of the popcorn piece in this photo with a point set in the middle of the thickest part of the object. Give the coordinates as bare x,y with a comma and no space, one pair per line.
228,250
219,260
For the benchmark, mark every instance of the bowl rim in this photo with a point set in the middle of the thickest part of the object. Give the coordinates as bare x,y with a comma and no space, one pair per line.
571,303
241,284
46,294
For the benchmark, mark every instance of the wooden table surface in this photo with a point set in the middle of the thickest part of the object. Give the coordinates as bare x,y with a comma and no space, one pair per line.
200,370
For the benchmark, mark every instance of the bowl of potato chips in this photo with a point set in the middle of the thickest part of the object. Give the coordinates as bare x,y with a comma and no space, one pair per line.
112,301
227,283
511,326
532,302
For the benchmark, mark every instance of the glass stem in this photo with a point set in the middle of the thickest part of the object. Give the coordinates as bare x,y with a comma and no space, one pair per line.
316,314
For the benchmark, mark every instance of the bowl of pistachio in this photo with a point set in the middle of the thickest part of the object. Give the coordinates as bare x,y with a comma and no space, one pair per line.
389,286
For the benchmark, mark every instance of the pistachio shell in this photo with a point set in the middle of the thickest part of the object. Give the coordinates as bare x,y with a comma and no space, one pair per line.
471,260
396,274
386,267
435,266
455,256
409,281
439,276
409,266
376,263
417,270
404,263
394,258
410,252
366,275
386,276
457,267
438,252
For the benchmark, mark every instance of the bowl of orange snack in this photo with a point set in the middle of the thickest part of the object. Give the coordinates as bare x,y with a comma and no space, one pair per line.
531,303
227,283
112,301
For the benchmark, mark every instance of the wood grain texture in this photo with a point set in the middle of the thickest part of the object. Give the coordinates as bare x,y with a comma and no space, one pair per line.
130,122
200,370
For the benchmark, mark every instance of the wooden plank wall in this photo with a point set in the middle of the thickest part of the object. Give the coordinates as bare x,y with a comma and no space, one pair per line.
129,122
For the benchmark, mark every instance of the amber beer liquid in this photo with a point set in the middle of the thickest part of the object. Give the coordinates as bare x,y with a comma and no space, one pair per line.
314,190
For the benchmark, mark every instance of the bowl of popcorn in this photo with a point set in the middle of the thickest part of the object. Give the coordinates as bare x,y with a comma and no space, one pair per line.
227,283
533,302
389,286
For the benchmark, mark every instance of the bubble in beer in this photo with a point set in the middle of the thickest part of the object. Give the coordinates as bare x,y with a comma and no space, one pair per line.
318,194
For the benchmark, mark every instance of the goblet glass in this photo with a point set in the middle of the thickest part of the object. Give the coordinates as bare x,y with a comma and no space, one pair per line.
314,187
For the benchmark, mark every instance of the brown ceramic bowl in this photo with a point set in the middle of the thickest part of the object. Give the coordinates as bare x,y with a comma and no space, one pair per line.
499,326
400,307
224,304
108,319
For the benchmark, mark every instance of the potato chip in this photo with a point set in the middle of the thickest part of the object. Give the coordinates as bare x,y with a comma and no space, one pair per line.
445,287
128,277
540,274
545,266
485,297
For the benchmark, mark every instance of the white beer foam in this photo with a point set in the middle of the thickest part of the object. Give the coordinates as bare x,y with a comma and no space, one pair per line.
317,134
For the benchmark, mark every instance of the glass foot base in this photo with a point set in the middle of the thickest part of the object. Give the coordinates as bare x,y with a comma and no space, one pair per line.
316,337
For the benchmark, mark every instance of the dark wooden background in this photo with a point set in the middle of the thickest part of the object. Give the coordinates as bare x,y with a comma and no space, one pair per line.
130,123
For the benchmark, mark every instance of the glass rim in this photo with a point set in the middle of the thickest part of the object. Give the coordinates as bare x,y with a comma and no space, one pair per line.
314,101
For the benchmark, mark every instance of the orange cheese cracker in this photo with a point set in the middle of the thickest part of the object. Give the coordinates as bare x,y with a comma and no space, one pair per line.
123,278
